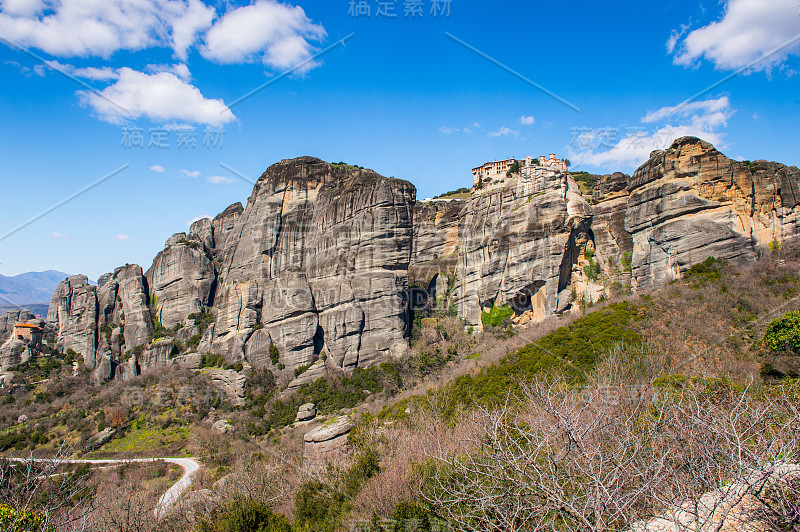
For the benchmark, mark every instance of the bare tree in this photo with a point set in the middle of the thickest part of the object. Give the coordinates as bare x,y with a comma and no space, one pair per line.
60,497
613,457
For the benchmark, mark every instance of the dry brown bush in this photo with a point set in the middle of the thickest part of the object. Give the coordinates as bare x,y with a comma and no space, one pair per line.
614,454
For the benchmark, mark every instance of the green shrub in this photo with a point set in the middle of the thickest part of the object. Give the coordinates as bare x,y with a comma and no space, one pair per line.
159,331
299,370
571,351
24,521
783,334
274,354
497,316
244,515
202,320
708,271
318,508
212,360
194,342
627,261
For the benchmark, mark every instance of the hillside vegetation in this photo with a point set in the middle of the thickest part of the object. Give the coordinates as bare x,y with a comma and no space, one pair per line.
588,421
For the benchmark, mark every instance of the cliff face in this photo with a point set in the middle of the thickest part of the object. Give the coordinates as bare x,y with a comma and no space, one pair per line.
518,245
436,244
609,205
691,202
319,260
182,277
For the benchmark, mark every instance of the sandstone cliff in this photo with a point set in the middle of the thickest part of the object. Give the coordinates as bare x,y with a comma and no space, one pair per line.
518,245
690,202
319,260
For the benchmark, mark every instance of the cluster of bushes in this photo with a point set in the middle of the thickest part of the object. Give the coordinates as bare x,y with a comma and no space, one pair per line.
627,261
498,316
571,351
212,360
22,438
586,181
201,320
38,368
24,521
462,190
328,395
708,271
592,269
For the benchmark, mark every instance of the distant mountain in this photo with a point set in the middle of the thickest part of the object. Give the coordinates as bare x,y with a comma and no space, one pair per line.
29,289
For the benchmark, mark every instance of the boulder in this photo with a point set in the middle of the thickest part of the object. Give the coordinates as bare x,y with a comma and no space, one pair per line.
327,443
306,412
234,384
101,438
223,426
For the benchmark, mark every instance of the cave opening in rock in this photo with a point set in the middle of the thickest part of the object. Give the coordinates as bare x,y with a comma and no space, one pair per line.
319,340
530,298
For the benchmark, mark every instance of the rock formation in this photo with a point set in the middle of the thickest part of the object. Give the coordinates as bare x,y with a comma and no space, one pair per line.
320,260
690,202
517,246
613,244
19,344
182,277
327,443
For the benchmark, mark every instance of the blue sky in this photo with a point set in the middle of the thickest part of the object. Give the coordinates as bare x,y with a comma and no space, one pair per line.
401,95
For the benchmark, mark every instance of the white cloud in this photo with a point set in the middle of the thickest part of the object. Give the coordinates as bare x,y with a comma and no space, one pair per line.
187,173
748,30
80,28
197,218
121,237
161,97
527,120
706,113
277,34
449,130
756,116
704,119
188,23
157,168
504,132
180,70
58,236
219,180
24,8
93,73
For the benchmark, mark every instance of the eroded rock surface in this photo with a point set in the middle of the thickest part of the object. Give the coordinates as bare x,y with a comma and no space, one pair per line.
691,202
319,259
517,246
327,443
182,277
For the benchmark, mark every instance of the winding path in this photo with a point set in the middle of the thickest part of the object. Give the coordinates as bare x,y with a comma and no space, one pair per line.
170,497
